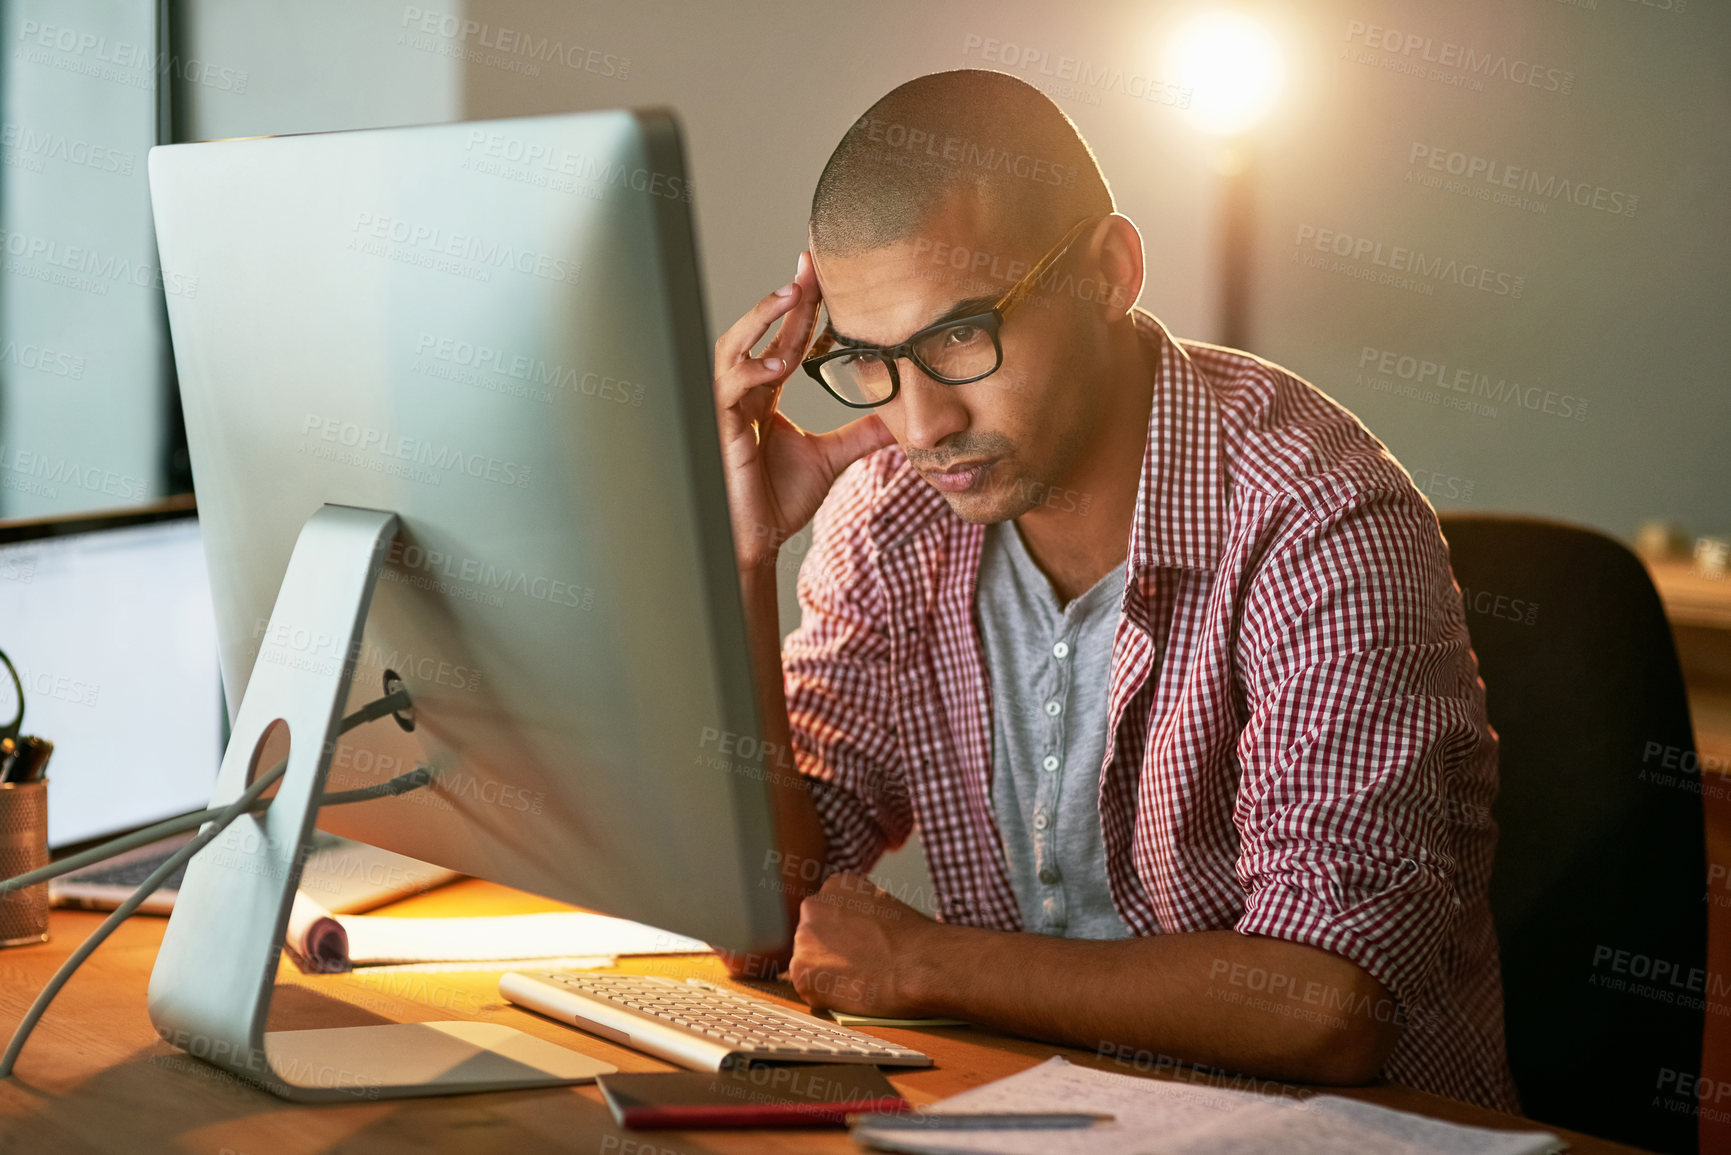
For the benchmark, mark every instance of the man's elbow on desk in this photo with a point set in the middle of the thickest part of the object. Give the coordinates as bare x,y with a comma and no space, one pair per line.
1253,1005
1347,1045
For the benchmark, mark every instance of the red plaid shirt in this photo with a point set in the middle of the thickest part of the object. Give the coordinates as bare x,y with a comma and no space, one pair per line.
1297,744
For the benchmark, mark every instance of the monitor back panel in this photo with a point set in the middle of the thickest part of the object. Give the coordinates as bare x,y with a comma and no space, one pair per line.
494,330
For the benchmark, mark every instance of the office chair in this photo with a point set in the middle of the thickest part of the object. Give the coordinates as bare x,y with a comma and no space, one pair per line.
1602,841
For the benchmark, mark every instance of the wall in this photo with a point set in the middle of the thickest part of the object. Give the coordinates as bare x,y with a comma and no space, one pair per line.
311,66
1565,256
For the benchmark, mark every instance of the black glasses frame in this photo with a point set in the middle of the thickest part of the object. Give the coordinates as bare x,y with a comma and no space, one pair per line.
990,321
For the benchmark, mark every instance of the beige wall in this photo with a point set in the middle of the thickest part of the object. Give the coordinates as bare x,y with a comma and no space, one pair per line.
1624,311
311,66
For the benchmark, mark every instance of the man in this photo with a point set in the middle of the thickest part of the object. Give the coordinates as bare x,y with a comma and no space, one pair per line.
1152,642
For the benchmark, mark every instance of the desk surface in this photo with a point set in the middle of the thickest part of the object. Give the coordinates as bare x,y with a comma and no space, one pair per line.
1692,598
94,1077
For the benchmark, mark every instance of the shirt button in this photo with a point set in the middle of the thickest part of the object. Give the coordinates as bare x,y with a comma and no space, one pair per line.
1049,875
1040,820
1051,762
1054,707
1061,650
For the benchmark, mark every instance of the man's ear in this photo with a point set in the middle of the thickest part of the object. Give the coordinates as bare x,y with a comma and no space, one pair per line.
1120,261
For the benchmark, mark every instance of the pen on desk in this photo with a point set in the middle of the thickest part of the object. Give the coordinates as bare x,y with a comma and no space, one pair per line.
978,1121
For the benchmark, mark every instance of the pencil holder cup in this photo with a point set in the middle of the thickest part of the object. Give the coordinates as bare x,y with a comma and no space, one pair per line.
23,847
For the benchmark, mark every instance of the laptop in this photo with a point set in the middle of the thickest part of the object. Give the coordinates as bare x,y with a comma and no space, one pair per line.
108,619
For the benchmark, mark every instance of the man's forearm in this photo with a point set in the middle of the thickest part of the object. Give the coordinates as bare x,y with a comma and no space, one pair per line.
1251,1004
798,828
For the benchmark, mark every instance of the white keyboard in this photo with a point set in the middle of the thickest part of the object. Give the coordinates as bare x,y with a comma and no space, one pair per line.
695,1024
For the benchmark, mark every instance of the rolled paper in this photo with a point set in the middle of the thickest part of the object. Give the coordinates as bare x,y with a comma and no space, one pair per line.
316,941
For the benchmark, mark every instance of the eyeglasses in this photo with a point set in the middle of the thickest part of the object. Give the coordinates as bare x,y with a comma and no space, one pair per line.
953,352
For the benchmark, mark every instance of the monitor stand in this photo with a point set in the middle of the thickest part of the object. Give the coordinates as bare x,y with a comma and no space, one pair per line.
212,986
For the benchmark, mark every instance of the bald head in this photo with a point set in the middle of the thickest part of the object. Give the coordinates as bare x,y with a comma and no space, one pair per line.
995,145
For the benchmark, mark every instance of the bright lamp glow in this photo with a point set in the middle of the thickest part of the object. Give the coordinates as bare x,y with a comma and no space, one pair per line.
1233,68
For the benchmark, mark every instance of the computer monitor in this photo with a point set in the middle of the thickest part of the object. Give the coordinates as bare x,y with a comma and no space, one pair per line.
107,618
489,339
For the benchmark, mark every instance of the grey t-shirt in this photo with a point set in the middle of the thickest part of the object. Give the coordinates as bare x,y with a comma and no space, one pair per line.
1050,669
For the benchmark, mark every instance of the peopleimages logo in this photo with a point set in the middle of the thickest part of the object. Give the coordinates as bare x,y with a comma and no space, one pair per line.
1414,49
91,271
575,165
365,442
121,61
1422,371
506,43
463,247
1486,178
42,359
1435,483
34,146
1495,605
1086,75
416,564
41,474
284,644
1400,259
932,148
43,684
540,379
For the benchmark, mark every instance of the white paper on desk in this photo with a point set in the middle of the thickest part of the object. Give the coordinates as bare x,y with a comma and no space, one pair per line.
1153,1115
359,939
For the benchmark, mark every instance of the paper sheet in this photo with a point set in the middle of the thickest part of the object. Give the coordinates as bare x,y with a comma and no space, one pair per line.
1181,1118
322,941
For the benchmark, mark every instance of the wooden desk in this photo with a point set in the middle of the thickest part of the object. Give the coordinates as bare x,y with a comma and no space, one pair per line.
1699,609
95,1078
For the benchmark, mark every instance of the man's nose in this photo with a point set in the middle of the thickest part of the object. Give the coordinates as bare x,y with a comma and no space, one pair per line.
931,410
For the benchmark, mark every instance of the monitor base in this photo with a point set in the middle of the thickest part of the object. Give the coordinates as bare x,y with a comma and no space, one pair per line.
404,1060
211,989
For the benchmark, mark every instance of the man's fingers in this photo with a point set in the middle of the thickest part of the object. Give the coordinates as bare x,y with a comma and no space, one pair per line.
797,301
795,336
735,381
737,342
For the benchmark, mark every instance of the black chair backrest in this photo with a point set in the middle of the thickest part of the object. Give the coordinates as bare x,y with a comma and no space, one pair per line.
1599,887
